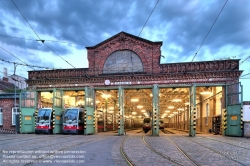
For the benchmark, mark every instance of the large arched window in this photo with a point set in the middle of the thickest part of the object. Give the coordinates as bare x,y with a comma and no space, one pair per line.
124,61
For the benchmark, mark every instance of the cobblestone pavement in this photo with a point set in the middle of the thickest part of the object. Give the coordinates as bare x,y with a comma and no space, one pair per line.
141,149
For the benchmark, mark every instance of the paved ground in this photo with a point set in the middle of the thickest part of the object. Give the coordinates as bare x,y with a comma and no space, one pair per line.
108,149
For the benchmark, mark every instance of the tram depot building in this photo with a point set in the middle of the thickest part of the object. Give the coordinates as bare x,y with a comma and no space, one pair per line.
125,83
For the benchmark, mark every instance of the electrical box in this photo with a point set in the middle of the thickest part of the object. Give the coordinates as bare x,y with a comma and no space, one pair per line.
246,113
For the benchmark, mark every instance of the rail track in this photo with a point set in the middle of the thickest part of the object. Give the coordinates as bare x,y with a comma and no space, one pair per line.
216,151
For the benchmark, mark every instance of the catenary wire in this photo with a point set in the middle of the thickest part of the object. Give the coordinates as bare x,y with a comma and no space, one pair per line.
39,37
25,64
14,37
209,30
245,75
148,17
245,59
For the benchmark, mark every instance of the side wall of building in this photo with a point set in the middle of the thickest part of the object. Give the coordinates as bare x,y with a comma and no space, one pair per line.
7,105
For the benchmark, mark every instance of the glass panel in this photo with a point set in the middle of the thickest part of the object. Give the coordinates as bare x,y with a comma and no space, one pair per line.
89,97
28,99
70,116
234,94
123,62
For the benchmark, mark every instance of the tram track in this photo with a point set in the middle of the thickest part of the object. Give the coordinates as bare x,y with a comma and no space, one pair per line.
227,143
216,151
123,153
169,158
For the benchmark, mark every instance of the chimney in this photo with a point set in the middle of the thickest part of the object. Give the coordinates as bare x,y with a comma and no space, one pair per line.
5,72
5,79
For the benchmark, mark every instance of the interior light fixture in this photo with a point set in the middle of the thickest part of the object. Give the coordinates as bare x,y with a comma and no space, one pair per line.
139,106
111,108
143,110
134,113
186,103
170,107
106,96
167,111
134,100
176,100
180,109
205,93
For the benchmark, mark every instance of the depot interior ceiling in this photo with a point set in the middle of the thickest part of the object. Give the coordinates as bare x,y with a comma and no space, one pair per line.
138,102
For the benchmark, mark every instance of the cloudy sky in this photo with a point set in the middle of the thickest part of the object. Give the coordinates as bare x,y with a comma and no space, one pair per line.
68,26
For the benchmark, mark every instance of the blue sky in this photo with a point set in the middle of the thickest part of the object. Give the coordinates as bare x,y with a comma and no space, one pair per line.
69,26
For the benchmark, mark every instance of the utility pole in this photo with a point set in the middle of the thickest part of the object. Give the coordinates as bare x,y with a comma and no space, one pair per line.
15,65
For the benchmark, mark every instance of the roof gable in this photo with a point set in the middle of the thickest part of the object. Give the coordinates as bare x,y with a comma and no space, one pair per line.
121,36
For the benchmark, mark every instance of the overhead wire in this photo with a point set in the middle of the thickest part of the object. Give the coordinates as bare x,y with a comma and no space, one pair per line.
209,30
245,59
245,75
25,64
39,37
148,17
14,37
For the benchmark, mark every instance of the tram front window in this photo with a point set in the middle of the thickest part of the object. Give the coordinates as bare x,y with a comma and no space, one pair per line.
43,116
70,116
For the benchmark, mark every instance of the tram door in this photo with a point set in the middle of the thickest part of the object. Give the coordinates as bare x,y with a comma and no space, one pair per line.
28,106
232,114
156,113
89,126
192,110
121,111
57,111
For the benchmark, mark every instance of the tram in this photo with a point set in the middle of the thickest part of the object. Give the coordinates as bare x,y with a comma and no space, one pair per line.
44,122
73,121
147,124
161,124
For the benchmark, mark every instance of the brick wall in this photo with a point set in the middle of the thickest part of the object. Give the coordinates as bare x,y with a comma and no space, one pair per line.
148,51
7,105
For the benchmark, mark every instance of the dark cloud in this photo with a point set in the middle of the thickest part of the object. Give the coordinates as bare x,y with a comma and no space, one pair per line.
180,23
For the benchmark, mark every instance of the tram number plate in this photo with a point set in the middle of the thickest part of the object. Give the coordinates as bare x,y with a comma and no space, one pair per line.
27,118
234,117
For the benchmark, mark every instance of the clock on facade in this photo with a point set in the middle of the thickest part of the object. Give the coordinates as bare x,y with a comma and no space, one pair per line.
107,82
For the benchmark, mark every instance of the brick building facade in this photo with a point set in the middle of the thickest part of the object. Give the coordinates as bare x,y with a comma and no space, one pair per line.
130,61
